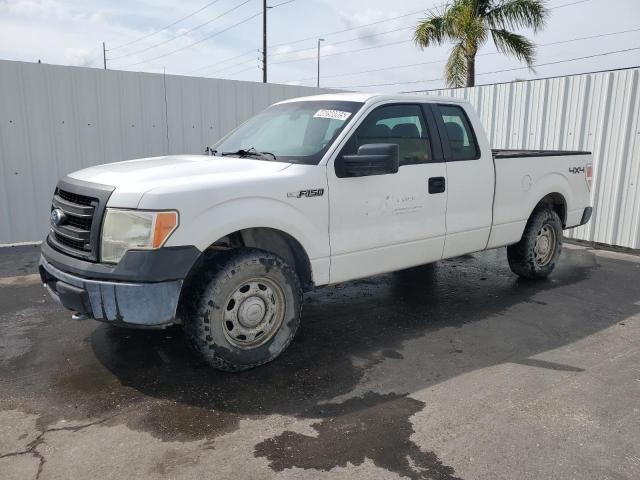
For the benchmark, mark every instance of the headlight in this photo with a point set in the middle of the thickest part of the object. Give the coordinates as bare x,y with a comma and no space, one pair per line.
125,230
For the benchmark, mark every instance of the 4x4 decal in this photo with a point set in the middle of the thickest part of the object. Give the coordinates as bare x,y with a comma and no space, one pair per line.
314,192
576,170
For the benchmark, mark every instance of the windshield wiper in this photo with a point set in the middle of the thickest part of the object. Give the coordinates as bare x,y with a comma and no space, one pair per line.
250,152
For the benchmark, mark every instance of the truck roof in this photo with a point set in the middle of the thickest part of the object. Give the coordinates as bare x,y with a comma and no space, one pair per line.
366,97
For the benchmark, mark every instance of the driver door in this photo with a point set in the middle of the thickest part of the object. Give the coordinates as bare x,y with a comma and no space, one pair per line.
380,223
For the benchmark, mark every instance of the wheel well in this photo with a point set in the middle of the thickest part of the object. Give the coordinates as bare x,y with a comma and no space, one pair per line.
557,203
274,241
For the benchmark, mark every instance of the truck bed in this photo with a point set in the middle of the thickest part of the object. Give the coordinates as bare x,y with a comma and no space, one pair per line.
519,186
503,153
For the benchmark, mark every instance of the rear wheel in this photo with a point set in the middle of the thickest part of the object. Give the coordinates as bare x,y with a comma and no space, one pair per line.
244,311
536,254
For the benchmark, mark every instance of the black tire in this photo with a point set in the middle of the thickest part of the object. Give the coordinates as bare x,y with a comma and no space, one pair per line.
216,332
524,259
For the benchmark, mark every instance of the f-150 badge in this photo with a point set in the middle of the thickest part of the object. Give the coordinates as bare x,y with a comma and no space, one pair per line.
314,192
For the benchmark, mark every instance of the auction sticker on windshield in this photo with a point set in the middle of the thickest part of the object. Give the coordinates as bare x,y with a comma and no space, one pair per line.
333,114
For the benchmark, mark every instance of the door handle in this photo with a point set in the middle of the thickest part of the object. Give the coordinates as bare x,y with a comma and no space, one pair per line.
437,184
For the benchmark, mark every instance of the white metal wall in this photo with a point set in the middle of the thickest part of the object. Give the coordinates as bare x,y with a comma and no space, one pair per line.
599,112
56,119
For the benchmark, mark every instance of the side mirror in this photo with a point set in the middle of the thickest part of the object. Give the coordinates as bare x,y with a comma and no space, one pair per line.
371,159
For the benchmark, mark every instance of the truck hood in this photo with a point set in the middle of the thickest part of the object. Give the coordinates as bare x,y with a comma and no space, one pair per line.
133,178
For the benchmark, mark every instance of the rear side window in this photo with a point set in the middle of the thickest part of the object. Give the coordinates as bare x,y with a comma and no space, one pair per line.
403,125
459,134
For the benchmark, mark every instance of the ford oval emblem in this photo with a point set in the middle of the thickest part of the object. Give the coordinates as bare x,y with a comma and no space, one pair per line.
57,216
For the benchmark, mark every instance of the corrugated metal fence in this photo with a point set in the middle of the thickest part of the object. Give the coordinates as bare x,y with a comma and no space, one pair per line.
55,119
599,112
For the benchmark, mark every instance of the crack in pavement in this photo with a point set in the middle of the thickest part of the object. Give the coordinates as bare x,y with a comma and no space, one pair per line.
32,447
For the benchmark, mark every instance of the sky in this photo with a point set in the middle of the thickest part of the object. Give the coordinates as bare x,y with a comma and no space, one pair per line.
223,38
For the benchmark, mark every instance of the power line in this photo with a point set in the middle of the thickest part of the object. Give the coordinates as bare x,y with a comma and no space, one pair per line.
568,4
590,72
233,66
381,44
243,70
297,41
336,32
293,42
497,71
195,43
187,32
165,28
343,41
222,61
312,38
208,37
404,15
281,4
577,39
381,69
344,51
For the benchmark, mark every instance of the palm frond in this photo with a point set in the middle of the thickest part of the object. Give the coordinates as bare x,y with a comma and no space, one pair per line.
483,6
439,26
514,14
515,45
468,23
456,69
429,31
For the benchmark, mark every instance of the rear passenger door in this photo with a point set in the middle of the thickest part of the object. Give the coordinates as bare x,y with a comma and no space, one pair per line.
470,180
380,223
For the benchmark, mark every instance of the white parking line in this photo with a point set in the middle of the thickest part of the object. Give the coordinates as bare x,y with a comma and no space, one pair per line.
573,246
616,255
21,281
19,244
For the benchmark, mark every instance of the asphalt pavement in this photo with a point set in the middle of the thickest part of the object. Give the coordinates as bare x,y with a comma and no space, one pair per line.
454,370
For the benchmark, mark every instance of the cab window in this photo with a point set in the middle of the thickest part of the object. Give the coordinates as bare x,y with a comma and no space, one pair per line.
403,125
459,134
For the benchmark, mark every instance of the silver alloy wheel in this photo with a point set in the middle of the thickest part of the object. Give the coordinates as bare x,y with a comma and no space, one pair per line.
253,313
545,246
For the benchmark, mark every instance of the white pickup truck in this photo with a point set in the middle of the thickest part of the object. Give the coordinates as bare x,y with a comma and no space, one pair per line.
310,192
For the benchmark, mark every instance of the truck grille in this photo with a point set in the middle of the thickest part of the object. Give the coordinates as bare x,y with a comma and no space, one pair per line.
71,243
76,216
75,198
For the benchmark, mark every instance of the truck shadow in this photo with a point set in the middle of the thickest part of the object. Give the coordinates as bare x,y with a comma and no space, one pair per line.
351,330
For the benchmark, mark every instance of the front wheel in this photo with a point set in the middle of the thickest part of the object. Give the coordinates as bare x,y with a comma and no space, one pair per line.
536,254
244,310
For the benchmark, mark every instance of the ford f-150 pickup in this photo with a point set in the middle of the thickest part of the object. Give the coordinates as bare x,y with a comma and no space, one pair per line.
310,192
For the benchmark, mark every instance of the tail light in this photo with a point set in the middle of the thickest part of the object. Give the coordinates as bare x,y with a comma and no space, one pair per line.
588,172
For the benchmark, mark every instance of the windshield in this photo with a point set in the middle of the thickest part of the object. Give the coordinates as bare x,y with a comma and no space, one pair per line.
297,132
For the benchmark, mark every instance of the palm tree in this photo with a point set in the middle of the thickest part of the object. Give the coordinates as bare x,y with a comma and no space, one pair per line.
468,23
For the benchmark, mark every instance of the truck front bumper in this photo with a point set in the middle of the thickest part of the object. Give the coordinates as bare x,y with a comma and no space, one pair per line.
142,290
135,304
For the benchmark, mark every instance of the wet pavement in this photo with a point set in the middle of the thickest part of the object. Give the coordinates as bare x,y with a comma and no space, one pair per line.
456,370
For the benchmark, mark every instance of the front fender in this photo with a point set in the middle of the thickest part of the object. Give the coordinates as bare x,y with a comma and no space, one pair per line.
309,226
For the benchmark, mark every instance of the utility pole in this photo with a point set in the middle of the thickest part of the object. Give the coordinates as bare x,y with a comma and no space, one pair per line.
104,55
264,41
319,41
